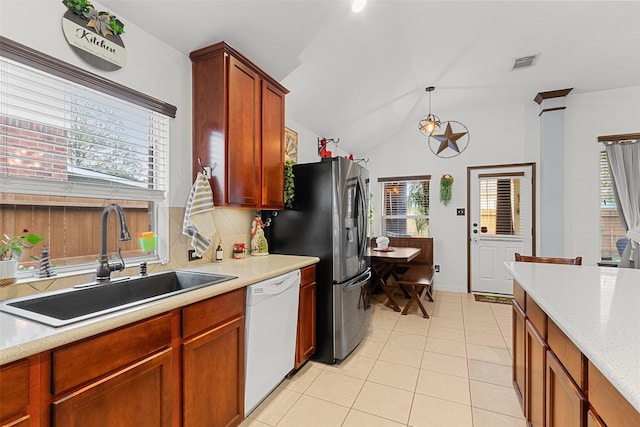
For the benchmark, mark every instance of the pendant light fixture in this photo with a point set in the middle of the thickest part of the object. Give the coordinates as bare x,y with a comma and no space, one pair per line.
358,5
431,123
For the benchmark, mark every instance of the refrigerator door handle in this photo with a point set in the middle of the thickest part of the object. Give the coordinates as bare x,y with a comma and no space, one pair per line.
362,227
357,282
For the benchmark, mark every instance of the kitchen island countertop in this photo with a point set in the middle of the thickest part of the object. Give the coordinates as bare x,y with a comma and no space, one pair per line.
20,337
598,309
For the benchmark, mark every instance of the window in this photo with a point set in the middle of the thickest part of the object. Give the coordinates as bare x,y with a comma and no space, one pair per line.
500,212
69,147
612,233
405,209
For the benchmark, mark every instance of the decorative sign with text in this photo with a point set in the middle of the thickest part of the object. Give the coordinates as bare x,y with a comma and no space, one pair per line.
93,40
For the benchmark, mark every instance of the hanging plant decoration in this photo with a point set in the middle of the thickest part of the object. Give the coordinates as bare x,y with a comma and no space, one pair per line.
289,183
94,35
446,182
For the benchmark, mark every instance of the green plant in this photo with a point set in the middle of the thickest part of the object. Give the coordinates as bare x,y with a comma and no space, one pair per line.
12,246
103,22
289,183
446,182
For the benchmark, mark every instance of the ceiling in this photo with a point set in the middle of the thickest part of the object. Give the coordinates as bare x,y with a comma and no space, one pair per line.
362,77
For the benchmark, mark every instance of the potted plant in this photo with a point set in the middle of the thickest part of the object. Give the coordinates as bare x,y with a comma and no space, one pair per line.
289,183
446,181
10,251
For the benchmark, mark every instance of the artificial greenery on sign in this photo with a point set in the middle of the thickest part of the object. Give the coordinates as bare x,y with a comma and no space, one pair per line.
102,22
289,184
446,181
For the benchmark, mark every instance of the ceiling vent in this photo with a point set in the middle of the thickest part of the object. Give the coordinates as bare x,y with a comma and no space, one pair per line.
524,62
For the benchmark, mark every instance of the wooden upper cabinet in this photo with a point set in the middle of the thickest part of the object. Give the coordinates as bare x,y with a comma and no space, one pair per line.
238,128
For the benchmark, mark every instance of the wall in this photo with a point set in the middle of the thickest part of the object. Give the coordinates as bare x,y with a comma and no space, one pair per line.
510,134
153,68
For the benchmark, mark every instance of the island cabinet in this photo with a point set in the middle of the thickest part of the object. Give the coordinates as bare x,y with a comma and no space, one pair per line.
306,333
238,128
213,361
557,385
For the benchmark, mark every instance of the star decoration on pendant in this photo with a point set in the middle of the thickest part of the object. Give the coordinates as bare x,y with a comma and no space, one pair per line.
449,139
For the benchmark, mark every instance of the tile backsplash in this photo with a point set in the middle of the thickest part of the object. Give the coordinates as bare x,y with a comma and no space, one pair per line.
234,224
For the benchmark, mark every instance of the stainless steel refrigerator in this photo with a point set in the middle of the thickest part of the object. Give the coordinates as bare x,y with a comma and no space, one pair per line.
329,219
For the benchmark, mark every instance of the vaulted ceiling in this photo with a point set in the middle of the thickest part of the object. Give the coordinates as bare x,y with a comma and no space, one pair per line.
362,77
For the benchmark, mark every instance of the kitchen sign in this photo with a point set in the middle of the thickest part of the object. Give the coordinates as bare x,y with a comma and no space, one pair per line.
103,50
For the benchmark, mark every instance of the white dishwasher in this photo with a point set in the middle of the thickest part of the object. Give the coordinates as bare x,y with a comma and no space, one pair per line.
271,320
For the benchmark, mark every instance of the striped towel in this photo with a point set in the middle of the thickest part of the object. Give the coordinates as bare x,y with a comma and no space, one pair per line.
198,216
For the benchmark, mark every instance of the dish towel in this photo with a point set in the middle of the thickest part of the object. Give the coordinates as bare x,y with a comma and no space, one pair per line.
198,216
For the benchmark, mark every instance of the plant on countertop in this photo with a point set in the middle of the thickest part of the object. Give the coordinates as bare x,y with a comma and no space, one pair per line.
101,22
446,181
289,183
11,247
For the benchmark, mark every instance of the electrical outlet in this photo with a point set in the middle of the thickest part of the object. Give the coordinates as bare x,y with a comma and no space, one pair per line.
436,268
460,211
192,255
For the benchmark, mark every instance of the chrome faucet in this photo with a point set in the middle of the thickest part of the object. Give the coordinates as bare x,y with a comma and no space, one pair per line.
103,273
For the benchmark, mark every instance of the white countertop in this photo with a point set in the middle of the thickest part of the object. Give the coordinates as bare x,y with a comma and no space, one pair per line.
598,308
20,338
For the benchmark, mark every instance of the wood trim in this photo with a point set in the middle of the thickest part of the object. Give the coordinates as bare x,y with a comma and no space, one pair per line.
223,47
541,96
405,178
618,138
546,110
43,62
500,175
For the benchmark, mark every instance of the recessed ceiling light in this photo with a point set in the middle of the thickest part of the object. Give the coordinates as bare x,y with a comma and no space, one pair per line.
358,5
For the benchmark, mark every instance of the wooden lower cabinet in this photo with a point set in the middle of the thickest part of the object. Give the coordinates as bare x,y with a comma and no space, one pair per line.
593,420
565,403
519,353
137,396
213,375
306,333
14,393
536,349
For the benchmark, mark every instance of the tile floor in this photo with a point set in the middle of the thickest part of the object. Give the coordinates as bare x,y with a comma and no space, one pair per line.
451,370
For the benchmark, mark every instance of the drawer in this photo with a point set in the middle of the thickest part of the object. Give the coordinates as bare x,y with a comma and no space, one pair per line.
612,407
520,296
569,355
14,389
92,358
308,275
537,317
212,312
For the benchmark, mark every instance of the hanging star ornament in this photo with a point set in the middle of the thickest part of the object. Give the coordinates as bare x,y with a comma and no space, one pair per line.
457,141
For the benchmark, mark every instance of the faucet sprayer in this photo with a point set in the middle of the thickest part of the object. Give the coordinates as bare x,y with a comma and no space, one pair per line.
104,270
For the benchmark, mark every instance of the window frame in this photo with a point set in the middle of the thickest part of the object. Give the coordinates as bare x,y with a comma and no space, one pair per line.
49,65
407,180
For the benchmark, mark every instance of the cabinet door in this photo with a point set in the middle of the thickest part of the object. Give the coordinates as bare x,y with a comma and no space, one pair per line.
565,404
139,395
272,147
243,136
536,349
213,377
593,420
306,335
14,391
519,353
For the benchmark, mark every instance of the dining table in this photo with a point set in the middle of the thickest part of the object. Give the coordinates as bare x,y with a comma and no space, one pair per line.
383,263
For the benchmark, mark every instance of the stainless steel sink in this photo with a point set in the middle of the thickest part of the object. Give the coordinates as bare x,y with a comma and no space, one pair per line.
73,305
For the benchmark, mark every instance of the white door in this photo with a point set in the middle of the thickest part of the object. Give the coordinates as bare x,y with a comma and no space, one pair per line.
501,223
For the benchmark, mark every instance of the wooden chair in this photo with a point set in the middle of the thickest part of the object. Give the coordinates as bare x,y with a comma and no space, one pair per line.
545,260
416,276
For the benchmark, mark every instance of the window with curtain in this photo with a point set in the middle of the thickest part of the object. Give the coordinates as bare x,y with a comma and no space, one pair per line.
613,238
70,146
405,206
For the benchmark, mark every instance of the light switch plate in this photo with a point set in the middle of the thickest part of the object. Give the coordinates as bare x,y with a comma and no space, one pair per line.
460,211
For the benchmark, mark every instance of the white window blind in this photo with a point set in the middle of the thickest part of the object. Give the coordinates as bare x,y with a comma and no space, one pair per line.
612,238
500,210
59,137
405,210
